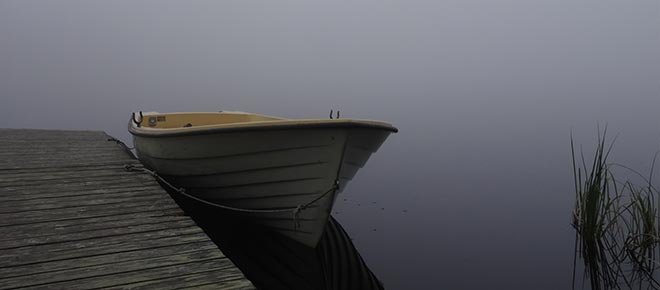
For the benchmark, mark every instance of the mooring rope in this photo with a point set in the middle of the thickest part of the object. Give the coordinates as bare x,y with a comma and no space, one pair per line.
123,146
294,210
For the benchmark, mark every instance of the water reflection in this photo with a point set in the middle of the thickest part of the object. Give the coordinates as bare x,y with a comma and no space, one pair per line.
272,261
616,224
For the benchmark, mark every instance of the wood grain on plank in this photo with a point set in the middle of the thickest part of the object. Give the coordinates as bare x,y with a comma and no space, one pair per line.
72,217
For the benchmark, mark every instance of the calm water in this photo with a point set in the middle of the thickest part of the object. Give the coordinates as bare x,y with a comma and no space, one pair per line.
474,192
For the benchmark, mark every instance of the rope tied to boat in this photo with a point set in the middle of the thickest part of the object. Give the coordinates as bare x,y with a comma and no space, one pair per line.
294,210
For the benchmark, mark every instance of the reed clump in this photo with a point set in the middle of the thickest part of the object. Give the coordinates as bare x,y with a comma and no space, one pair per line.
616,224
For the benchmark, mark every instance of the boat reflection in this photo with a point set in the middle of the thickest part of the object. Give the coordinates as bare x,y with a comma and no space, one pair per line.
272,261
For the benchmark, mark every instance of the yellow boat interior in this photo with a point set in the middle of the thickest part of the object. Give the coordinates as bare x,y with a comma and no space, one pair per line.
184,120
154,123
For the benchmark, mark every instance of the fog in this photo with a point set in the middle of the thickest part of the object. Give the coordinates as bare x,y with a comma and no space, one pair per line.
476,188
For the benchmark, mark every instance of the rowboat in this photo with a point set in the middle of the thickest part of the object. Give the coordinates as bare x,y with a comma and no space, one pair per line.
283,174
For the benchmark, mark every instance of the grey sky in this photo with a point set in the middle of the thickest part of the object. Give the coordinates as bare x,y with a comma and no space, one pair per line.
74,64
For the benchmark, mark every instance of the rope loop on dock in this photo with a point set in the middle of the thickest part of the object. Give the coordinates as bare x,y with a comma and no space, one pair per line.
294,210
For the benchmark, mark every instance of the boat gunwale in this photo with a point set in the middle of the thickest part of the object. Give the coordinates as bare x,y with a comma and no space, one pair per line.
260,126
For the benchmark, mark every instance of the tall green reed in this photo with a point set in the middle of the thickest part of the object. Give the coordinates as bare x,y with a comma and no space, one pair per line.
616,224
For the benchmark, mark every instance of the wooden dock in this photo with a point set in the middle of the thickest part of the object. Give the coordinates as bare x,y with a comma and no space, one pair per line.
72,217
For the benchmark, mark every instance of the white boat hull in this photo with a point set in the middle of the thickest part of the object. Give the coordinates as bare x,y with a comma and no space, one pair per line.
265,172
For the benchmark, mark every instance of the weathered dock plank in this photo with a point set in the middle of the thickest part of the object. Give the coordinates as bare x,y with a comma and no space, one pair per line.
83,262
48,278
58,229
80,212
71,217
